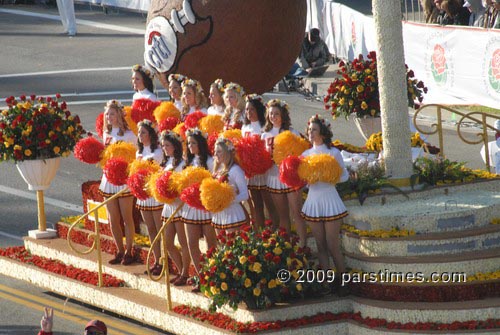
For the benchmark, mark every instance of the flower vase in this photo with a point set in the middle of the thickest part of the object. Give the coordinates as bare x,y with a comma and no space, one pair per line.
368,125
38,174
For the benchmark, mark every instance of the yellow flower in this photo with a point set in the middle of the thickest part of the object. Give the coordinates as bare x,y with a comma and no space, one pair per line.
277,251
235,272
373,112
360,88
342,101
247,283
57,150
18,147
368,71
214,290
364,105
222,275
255,252
257,267
243,260
299,287
351,102
47,141
256,291
223,286
211,262
272,283
27,152
66,153
288,245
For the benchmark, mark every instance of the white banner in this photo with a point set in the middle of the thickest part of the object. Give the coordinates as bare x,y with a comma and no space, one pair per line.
135,5
459,65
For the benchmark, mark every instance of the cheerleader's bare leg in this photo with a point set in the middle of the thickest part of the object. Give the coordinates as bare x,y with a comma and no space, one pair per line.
173,252
271,208
295,203
193,233
210,236
281,202
113,208
147,217
257,207
332,230
319,233
126,207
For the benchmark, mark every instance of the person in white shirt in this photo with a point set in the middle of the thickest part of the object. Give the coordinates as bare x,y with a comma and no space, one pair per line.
193,98
147,141
175,89
323,208
67,14
142,82
116,129
234,114
217,102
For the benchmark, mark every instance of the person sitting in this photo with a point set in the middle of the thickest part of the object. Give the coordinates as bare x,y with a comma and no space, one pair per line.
314,56
93,327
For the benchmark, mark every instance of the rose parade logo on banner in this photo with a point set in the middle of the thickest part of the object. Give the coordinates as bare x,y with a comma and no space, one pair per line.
494,71
439,66
491,68
353,35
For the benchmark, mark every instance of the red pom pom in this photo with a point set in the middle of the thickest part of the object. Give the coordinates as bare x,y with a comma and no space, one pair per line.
99,124
115,171
191,196
88,150
168,123
137,184
289,172
163,186
252,155
143,109
211,142
191,120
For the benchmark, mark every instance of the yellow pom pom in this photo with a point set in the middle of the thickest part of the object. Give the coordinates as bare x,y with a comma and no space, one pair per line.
232,134
189,176
128,117
211,124
215,196
120,149
179,129
288,144
321,167
139,164
164,110
153,189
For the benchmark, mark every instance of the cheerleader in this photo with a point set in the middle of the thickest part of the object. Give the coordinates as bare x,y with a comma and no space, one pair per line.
193,98
323,208
171,143
175,89
285,199
142,83
226,170
121,208
255,120
235,106
216,98
198,222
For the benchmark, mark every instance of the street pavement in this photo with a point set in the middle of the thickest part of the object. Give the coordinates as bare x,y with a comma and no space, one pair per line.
88,70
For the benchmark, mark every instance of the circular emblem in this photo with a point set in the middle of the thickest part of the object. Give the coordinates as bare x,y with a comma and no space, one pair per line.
494,71
160,44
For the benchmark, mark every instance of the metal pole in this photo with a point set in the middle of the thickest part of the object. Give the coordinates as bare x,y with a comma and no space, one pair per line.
42,221
98,246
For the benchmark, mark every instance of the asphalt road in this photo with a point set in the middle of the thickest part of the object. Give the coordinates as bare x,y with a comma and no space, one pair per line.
88,70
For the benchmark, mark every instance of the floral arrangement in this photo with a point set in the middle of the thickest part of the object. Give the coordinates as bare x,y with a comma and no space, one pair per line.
37,128
356,90
245,265
375,141
379,233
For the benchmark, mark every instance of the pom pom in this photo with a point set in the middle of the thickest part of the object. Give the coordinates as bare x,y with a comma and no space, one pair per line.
140,164
115,171
215,196
232,134
288,144
143,109
289,172
211,124
191,196
189,176
168,123
99,124
181,130
252,156
88,150
165,110
212,138
192,119
137,184
128,118
120,149
162,188
321,167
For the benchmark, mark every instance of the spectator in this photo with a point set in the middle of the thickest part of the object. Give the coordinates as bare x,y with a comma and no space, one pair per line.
67,13
458,15
493,20
477,11
93,327
314,56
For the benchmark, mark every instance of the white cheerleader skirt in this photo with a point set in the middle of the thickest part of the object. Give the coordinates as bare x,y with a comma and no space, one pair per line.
108,190
191,215
168,209
273,182
231,217
323,203
150,204
257,182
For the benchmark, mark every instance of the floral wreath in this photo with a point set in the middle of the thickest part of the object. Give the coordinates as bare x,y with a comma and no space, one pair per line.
236,87
251,97
171,133
279,102
114,103
219,84
321,119
227,142
193,83
143,69
195,131
177,77
145,122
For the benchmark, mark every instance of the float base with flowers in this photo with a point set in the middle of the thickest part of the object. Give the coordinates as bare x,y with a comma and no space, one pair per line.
463,236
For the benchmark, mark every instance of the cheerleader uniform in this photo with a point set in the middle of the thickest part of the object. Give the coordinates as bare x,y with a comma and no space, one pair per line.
106,188
191,215
150,204
233,122
178,104
215,110
323,202
273,182
233,216
257,182
144,94
168,209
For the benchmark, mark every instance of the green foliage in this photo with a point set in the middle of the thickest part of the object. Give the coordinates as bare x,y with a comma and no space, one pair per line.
431,171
